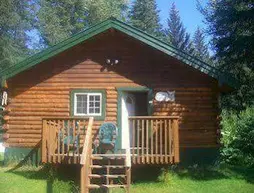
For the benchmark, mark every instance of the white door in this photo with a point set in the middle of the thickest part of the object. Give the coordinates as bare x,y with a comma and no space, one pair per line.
128,109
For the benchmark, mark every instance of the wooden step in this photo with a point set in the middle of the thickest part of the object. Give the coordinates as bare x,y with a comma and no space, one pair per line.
115,186
106,176
107,166
95,186
108,156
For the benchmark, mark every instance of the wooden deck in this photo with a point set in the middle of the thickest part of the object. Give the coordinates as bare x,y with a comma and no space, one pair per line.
154,140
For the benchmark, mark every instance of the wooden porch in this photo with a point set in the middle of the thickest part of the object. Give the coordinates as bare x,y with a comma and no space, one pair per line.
154,139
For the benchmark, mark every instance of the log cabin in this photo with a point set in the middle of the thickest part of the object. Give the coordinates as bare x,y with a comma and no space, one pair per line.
164,102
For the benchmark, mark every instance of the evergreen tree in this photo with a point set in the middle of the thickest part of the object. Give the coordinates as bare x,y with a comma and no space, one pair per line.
99,10
58,19
145,16
176,33
13,26
200,46
231,26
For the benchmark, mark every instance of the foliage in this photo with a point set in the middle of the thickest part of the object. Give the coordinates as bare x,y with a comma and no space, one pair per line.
200,46
1,157
176,32
145,16
57,20
99,10
231,25
14,23
238,137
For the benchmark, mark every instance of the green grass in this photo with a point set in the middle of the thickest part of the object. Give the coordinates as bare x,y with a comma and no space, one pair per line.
146,180
1,157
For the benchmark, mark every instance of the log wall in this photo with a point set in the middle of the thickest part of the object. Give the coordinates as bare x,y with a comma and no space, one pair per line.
44,90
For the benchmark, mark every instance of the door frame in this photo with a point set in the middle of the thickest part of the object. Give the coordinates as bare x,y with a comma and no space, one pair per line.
120,93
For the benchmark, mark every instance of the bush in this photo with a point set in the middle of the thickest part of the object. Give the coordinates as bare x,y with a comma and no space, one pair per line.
238,137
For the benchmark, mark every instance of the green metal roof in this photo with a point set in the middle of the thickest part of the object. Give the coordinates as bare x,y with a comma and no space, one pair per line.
222,77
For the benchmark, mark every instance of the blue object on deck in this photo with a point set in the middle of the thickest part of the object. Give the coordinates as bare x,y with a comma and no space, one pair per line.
69,138
107,135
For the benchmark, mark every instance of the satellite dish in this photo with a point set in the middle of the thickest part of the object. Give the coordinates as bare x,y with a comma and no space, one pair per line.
161,96
165,96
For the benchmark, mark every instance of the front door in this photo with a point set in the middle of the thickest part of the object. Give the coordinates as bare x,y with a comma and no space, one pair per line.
128,109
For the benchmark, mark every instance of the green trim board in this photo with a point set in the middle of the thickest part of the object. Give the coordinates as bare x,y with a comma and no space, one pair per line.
120,92
222,77
103,100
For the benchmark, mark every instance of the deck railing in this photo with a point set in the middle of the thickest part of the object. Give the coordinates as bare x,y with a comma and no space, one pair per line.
85,159
62,139
154,139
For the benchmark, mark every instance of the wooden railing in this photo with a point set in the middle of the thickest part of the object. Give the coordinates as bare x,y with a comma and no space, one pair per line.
154,139
85,159
128,163
62,139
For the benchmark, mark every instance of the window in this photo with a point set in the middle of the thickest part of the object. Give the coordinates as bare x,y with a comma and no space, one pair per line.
88,103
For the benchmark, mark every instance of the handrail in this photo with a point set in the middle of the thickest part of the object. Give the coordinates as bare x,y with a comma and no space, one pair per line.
128,151
87,142
85,158
153,117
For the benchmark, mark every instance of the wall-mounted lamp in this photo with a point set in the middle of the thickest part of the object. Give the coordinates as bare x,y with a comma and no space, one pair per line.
112,62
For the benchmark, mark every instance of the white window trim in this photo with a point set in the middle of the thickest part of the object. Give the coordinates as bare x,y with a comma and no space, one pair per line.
88,94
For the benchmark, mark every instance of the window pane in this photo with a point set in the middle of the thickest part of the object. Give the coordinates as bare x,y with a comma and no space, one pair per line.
81,103
97,98
91,98
97,110
91,110
91,104
97,104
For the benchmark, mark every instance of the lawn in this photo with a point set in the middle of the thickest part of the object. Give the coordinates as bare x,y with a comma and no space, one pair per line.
1,156
148,180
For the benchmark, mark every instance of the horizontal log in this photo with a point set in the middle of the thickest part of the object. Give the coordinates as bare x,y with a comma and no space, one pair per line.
41,114
42,96
26,136
20,140
25,122
40,109
40,100
39,105
21,131
17,92
27,145
23,126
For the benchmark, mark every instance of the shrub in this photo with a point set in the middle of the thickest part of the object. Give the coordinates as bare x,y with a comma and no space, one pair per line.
238,137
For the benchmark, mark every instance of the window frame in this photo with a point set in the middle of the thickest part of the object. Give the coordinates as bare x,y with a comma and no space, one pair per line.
73,103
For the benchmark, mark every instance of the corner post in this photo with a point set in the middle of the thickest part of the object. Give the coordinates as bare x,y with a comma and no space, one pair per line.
44,138
176,140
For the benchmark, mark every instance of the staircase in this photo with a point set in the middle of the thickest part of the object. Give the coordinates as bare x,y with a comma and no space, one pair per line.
103,171
109,171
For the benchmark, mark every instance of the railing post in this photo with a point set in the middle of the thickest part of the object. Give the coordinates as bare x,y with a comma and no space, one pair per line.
44,142
85,158
176,140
